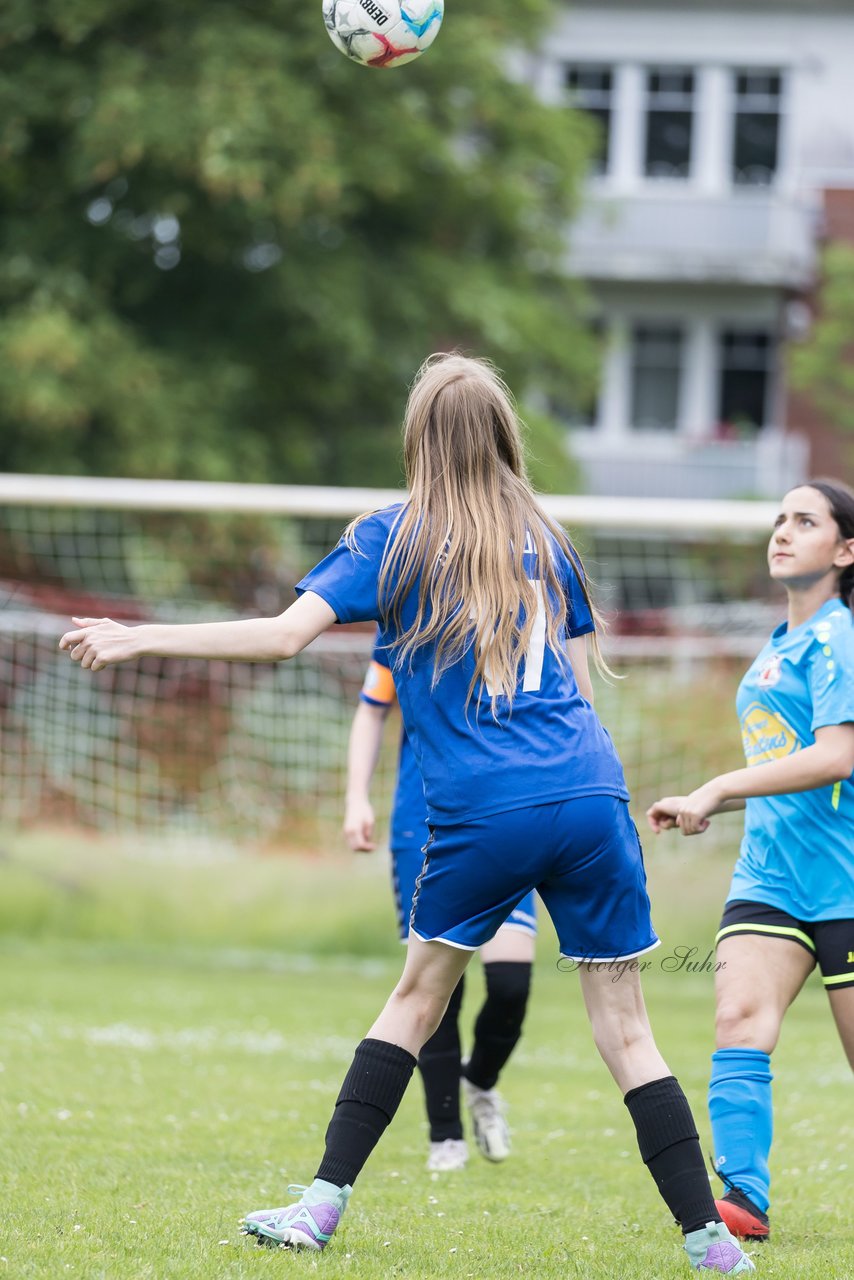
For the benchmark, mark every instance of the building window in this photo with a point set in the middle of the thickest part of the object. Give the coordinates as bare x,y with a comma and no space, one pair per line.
591,91
669,123
656,376
577,404
756,127
745,379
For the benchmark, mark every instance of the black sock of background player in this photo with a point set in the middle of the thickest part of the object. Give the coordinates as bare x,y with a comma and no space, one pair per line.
499,1023
439,1064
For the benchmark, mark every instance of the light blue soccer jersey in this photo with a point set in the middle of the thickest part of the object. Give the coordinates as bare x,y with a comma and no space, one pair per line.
798,850
552,747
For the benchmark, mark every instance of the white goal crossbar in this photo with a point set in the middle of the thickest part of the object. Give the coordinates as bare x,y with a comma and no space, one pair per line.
678,515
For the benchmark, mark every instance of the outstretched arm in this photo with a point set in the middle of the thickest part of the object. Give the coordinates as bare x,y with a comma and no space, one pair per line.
366,737
829,760
99,642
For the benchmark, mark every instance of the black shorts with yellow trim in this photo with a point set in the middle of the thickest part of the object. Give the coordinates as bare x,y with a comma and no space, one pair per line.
829,942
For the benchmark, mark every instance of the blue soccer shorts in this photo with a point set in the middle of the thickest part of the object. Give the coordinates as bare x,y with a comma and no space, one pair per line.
406,865
583,856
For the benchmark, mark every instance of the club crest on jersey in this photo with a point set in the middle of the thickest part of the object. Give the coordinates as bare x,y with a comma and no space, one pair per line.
769,672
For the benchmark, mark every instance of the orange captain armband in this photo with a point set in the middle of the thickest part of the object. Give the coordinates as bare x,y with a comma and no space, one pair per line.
379,686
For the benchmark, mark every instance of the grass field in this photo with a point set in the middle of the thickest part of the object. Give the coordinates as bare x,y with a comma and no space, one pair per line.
171,1040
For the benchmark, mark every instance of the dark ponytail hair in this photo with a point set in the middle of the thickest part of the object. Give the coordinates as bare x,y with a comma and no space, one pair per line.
841,502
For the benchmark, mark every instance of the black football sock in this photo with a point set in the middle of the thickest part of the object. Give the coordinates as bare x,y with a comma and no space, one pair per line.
499,1023
439,1064
670,1149
369,1098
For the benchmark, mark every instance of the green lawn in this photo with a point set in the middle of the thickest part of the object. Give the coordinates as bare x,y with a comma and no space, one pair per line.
171,1041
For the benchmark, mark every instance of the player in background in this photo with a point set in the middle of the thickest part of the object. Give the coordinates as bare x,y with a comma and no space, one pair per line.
507,958
483,607
791,902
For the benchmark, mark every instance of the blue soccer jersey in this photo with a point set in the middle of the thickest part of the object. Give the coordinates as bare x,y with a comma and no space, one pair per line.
552,747
798,849
409,832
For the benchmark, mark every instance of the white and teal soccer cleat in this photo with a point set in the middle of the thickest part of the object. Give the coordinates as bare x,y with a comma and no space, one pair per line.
448,1155
712,1248
308,1224
491,1131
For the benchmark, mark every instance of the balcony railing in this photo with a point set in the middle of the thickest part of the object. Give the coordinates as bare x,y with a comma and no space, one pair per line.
659,465
758,237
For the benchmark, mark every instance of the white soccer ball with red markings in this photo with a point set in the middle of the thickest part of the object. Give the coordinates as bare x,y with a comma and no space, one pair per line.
383,33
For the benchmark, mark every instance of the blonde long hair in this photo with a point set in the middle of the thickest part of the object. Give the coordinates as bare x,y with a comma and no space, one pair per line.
470,516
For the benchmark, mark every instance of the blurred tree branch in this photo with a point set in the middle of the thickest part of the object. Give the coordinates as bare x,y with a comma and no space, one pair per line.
224,249
823,366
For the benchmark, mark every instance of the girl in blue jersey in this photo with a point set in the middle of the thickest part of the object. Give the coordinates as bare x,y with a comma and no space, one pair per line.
507,958
483,610
791,902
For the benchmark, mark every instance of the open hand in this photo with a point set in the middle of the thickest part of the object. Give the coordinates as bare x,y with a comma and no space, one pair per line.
98,642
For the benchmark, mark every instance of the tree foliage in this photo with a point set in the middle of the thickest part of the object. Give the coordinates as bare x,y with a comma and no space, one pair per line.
224,249
823,366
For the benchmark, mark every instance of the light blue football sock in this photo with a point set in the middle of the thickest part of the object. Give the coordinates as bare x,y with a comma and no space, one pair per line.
742,1119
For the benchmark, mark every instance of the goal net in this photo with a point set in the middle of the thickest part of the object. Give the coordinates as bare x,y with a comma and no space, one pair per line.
194,754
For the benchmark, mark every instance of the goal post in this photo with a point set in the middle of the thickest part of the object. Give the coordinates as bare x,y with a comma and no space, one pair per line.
251,753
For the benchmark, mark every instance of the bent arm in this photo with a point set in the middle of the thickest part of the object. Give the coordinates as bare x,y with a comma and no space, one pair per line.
829,760
99,642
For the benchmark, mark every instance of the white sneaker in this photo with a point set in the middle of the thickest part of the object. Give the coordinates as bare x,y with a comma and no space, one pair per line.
491,1131
450,1154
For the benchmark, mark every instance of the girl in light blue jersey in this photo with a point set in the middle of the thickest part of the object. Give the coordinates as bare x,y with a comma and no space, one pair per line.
485,615
791,902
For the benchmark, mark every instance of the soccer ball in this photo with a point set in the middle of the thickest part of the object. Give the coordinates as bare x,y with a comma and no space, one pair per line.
383,33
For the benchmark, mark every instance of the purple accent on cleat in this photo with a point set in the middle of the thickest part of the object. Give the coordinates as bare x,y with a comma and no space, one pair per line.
721,1257
298,1225
712,1248
317,1223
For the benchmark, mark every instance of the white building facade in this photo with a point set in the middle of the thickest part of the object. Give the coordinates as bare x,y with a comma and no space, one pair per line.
720,127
